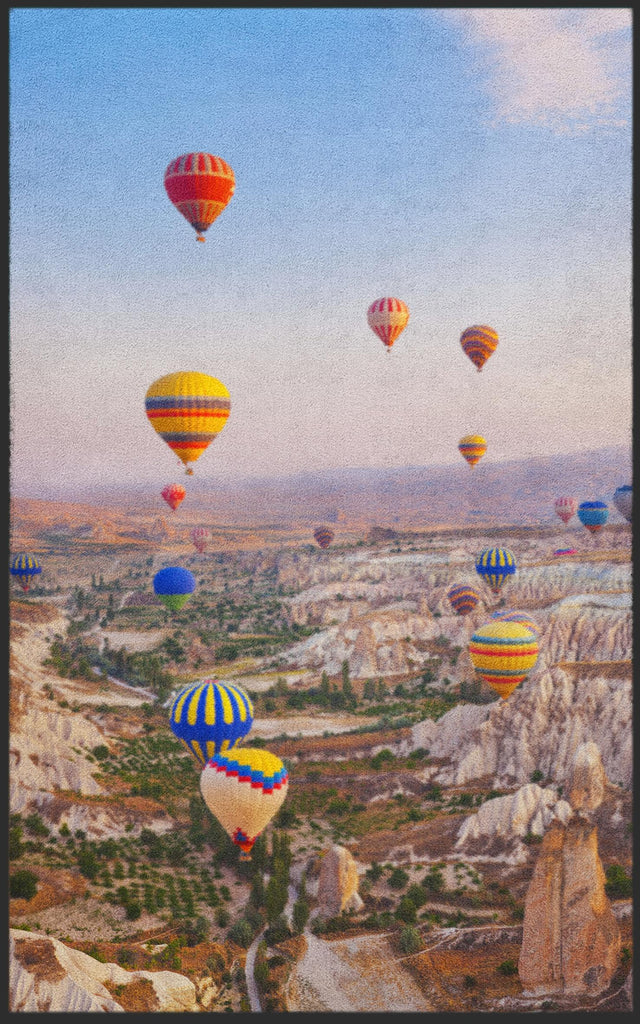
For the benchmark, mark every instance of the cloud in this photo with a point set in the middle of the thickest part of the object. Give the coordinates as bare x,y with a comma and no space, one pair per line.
568,69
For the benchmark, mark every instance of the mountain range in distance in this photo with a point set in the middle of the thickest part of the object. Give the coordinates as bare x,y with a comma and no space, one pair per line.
519,491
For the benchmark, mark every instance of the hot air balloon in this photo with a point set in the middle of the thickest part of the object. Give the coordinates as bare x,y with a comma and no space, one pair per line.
565,508
323,536
24,567
243,789
174,586
622,501
188,410
388,318
503,653
472,447
174,495
200,536
564,551
210,717
463,598
514,616
593,515
495,565
200,186
478,342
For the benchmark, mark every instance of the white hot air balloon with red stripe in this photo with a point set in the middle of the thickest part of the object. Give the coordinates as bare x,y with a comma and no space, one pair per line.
200,536
566,508
388,318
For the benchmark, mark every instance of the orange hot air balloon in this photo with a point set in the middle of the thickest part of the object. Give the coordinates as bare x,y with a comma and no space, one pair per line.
388,318
472,447
478,342
174,495
200,186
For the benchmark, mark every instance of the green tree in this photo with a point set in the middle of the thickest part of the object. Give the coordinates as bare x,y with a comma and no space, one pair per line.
275,897
618,885
16,846
410,940
369,690
23,885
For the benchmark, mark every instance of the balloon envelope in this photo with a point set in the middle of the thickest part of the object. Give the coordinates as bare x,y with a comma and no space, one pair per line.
622,501
388,318
514,616
174,586
323,536
463,598
188,410
472,447
495,565
210,717
564,551
565,508
199,185
174,495
478,342
593,515
243,789
24,567
503,653
200,536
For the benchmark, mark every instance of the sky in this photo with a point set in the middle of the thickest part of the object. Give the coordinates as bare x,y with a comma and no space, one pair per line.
474,162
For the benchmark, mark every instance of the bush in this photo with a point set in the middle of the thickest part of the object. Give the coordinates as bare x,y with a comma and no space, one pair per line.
23,885
410,940
508,967
241,933
537,776
381,757
398,878
618,885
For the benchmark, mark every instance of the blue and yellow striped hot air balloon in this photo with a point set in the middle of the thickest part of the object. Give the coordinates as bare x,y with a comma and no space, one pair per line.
243,789
463,598
495,565
24,567
478,342
188,410
514,616
593,515
503,654
210,717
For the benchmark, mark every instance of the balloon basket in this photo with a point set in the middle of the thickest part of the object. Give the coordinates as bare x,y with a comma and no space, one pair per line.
200,238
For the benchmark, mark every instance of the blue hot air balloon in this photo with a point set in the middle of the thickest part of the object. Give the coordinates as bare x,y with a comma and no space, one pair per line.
24,567
593,515
495,565
210,717
622,501
174,586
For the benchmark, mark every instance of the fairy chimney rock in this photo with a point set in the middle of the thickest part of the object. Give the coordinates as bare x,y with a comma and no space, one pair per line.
338,883
570,937
588,779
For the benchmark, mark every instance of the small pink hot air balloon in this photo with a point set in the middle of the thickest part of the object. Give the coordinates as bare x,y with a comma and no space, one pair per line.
200,536
565,508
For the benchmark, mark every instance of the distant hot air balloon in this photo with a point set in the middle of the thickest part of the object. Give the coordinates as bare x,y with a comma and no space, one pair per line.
503,653
478,342
514,616
388,318
210,717
472,447
174,586
622,501
188,410
463,598
565,508
200,186
593,515
174,495
564,551
200,536
495,565
243,789
24,567
323,536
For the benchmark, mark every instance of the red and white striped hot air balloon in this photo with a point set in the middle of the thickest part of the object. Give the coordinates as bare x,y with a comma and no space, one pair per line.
199,185
388,318
173,494
200,536
565,508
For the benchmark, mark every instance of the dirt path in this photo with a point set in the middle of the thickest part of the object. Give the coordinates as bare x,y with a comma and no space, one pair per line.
355,975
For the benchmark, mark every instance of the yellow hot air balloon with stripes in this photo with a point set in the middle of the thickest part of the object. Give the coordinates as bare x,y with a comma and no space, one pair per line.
210,717
503,653
472,447
188,410
243,789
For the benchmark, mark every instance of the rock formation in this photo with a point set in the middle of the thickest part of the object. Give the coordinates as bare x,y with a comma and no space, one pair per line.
338,883
45,976
505,821
570,936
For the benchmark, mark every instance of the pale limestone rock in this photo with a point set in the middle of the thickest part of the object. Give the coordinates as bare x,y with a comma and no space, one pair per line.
47,976
571,939
338,883
588,781
530,810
